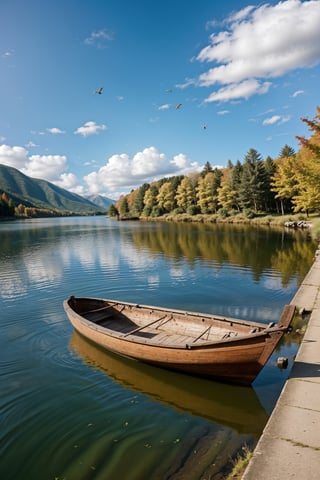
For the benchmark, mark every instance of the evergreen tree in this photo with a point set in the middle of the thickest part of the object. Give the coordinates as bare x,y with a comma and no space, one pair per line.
138,202
269,196
112,211
124,207
206,169
287,151
236,174
253,182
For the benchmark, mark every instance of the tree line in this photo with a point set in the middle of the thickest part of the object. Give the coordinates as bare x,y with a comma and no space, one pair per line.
285,185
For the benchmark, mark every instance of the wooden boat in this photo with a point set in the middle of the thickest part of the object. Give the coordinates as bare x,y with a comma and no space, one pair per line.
195,343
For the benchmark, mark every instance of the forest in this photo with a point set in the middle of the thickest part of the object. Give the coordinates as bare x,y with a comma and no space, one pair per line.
284,185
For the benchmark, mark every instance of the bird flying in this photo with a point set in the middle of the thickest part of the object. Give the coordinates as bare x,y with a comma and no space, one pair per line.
99,91
178,106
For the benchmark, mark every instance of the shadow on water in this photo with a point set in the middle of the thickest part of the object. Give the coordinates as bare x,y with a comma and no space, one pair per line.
194,396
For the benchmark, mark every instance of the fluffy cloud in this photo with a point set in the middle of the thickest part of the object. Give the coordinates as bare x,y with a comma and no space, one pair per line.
69,181
48,167
15,157
122,173
244,89
261,43
89,128
55,131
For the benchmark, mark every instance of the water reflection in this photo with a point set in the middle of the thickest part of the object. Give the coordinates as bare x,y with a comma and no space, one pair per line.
261,249
203,398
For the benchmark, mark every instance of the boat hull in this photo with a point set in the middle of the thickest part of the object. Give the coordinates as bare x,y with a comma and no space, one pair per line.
235,360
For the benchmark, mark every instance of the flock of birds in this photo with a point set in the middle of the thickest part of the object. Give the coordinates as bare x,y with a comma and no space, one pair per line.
179,105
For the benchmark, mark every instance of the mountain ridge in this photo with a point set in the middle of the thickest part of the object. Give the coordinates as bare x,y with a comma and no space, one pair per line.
39,193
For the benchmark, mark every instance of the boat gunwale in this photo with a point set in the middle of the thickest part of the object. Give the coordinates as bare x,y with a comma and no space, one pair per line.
265,330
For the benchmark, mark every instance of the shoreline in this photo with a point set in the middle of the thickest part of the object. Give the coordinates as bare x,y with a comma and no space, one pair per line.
289,446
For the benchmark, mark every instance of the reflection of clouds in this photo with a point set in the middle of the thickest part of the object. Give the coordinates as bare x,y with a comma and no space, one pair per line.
176,272
276,283
135,257
153,280
42,268
12,283
49,261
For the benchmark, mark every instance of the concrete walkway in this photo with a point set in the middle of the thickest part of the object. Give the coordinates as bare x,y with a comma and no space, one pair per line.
289,447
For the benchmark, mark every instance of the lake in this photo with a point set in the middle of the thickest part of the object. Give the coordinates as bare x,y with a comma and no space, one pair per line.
72,411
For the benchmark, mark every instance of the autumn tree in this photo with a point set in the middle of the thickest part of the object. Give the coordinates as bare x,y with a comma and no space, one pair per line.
166,197
284,181
150,200
307,197
227,196
207,191
313,143
186,194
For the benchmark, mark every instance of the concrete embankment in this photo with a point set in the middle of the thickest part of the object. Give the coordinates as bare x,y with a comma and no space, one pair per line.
289,447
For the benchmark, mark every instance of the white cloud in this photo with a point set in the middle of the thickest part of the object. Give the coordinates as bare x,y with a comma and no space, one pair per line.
69,181
244,89
122,173
99,38
89,128
183,165
164,107
297,93
276,119
55,131
271,120
261,42
15,157
223,112
48,167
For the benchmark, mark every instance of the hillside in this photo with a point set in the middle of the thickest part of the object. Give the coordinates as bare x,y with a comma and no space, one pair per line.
33,192
102,202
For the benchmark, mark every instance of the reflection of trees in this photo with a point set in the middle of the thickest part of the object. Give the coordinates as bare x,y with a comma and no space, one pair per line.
293,261
259,248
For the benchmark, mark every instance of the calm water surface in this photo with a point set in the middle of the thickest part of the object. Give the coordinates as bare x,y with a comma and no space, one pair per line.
72,411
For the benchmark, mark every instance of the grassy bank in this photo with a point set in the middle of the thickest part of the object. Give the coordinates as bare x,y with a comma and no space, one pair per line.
313,221
240,464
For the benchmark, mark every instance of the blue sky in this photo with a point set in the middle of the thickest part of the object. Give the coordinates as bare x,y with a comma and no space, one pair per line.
244,73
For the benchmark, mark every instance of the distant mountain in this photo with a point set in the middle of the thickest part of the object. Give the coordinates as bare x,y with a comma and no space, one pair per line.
102,202
33,192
